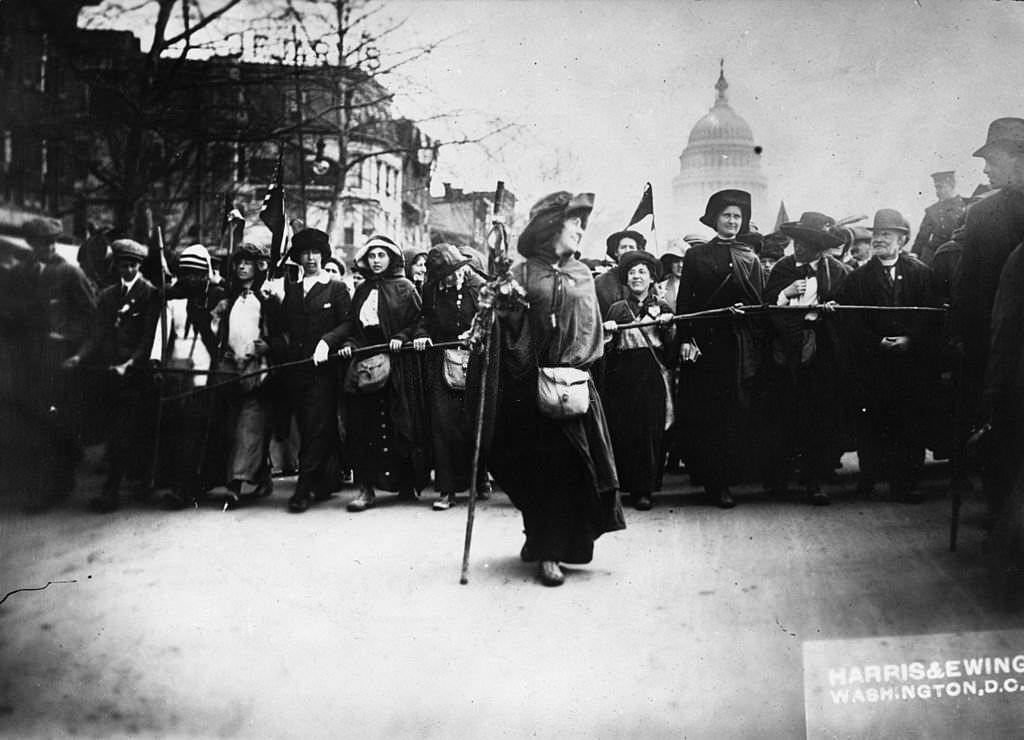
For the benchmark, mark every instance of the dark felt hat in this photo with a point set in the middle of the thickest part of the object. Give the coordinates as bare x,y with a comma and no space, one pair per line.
890,218
774,245
612,242
443,260
309,239
721,200
637,256
129,249
1006,134
547,216
813,229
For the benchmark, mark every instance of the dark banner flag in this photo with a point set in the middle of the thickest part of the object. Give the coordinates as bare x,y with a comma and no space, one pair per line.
272,214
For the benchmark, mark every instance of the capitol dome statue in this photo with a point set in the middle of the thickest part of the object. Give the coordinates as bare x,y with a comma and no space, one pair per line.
719,154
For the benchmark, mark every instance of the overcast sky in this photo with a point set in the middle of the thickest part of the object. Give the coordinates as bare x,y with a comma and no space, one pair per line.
854,103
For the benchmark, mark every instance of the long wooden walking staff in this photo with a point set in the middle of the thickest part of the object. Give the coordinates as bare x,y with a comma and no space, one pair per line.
163,350
481,339
477,439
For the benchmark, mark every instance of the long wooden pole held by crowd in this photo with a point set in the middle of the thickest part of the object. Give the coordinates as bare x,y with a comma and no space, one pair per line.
761,308
163,349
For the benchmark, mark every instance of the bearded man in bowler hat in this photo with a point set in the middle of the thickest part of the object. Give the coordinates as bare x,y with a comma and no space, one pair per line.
894,357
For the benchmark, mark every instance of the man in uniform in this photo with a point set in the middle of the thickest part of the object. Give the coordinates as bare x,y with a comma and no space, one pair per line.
894,360
60,316
940,218
994,227
125,319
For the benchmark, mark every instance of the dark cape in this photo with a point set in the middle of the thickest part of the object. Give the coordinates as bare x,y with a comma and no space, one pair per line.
444,319
719,394
559,473
401,400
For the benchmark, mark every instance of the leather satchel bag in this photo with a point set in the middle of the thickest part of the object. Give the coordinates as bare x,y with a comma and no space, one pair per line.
563,392
368,374
455,365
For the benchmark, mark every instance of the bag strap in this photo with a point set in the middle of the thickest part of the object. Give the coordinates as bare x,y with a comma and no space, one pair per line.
647,339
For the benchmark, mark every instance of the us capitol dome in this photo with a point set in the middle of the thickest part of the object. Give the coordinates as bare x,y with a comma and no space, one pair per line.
719,154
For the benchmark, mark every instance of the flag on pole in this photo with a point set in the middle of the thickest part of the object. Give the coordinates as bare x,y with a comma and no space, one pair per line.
272,214
638,222
783,217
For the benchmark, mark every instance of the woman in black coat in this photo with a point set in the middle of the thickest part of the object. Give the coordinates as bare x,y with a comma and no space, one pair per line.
387,425
721,357
637,380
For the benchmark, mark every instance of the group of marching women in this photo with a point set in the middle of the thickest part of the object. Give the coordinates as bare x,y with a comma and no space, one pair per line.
770,377
589,385
357,371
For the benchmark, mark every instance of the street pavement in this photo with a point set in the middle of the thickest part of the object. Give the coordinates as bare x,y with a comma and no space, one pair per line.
258,623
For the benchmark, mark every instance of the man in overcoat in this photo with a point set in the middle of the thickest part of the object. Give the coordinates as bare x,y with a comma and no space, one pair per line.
60,317
994,227
894,360
126,316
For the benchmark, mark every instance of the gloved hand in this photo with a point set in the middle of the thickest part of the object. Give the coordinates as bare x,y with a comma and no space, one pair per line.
322,353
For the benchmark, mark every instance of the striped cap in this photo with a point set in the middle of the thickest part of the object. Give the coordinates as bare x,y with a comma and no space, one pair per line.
195,257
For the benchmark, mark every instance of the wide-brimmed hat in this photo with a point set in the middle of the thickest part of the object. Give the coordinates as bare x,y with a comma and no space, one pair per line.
128,249
612,242
547,216
674,253
42,227
722,200
890,218
637,256
442,260
1006,134
813,229
774,245
309,240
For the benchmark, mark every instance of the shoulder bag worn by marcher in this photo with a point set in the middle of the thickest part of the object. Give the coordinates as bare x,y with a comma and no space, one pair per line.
368,374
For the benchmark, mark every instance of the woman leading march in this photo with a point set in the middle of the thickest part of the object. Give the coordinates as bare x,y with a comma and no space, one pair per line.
556,465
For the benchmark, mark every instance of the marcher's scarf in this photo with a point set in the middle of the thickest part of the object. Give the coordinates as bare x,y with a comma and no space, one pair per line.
565,321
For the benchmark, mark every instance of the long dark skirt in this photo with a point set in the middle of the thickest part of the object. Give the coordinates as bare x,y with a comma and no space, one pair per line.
718,416
634,399
548,479
450,434
376,460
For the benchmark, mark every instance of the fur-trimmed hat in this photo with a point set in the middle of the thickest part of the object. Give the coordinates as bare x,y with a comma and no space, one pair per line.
309,239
